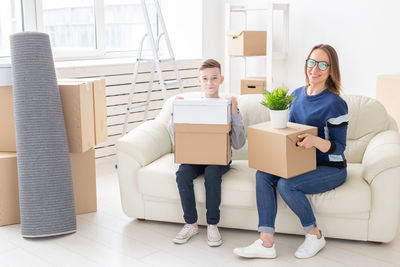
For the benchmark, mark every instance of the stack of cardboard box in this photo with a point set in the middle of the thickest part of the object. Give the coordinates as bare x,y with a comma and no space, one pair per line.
84,108
201,131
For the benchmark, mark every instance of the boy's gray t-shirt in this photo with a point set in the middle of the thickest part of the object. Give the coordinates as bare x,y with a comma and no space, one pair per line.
238,136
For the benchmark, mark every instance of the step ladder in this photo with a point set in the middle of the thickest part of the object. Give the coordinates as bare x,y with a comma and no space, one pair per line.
155,63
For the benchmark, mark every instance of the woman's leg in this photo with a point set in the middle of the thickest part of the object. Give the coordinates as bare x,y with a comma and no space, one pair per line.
266,206
294,190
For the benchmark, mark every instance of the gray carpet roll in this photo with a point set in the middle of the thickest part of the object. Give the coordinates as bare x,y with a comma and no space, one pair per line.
44,169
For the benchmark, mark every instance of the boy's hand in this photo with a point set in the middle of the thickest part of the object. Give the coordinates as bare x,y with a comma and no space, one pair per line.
234,104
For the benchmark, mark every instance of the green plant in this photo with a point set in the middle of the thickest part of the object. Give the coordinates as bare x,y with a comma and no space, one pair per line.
277,99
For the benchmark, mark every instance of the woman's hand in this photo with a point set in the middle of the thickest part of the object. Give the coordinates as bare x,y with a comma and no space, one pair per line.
234,104
306,140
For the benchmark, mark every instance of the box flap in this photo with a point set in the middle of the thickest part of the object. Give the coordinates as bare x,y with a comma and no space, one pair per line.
202,128
235,34
293,129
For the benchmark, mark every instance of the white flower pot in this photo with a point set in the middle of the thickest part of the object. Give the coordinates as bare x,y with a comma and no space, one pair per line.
279,118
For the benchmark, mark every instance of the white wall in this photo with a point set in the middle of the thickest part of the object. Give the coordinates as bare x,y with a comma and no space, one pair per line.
364,33
183,19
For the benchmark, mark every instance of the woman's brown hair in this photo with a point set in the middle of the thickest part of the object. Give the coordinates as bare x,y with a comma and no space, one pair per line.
333,82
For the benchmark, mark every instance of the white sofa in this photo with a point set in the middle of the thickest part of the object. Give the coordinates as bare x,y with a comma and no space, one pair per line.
365,207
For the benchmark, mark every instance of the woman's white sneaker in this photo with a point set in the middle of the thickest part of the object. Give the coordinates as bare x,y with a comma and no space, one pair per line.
185,233
311,246
256,250
213,236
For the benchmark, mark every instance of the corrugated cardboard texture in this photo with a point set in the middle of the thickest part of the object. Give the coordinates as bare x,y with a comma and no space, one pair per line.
388,93
77,105
7,126
247,43
253,85
274,151
83,176
9,197
202,144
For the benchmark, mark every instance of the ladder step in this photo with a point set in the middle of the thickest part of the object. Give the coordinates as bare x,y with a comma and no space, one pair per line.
152,60
172,82
136,106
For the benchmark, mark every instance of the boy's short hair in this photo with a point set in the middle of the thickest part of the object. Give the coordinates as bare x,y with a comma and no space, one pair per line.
210,63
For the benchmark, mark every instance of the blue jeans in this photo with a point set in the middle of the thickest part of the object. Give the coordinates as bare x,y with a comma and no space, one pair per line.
212,181
293,191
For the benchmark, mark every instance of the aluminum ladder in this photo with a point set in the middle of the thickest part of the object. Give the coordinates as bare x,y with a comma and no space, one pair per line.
155,63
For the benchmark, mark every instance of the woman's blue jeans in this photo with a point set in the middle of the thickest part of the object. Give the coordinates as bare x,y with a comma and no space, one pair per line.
293,191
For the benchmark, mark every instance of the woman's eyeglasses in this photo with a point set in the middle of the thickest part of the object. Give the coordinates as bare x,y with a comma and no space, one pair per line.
322,65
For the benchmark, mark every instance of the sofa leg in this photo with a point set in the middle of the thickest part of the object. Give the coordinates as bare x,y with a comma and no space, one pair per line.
141,219
377,243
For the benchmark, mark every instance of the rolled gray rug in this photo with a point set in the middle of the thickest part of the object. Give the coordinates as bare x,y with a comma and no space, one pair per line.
44,169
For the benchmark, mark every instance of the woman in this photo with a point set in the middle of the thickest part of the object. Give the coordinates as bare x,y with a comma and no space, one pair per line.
317,104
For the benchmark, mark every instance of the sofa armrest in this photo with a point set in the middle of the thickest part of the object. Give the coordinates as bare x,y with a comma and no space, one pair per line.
146,143
382,153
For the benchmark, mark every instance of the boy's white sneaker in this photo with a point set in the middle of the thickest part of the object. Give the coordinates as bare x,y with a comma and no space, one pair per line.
311,246
213,236
185,233
256,250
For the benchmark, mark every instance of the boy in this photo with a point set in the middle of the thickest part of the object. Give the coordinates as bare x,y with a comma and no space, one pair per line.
210,79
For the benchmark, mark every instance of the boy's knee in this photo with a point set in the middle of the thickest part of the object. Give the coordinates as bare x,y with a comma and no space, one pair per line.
212,171
184,174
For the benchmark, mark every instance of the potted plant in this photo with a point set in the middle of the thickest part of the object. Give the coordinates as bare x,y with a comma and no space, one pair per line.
278,101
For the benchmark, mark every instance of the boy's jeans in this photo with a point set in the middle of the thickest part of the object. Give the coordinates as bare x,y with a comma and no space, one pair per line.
293,191
212,180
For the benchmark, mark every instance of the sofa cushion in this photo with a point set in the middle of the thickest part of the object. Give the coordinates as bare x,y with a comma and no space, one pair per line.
238,188
367,117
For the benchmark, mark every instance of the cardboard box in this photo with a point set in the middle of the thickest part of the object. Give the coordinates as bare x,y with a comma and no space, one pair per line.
77,100
9,197
247,43
388,93
274,151
77,105
83,167
253,85
202,111
202,143
83,176
7,124
99,104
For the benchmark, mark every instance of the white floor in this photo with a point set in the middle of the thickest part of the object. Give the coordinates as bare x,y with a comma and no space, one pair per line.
109,238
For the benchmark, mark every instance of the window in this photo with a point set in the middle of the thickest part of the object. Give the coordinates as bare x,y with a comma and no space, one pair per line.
70,24
81,29
124,24
10,22
85,28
